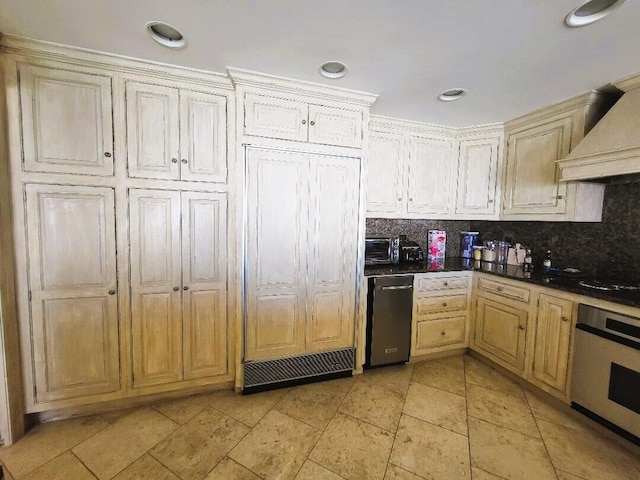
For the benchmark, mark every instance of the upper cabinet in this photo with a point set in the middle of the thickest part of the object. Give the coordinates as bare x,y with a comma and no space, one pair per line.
176,134
292,119
67,123
533,190
418,171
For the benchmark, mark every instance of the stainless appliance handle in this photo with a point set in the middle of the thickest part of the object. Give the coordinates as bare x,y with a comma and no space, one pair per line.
397,287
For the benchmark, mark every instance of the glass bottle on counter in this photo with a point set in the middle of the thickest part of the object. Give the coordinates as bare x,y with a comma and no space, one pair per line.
528,261
547,261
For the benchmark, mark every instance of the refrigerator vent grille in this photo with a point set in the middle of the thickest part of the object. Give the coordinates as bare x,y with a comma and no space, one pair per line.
293,368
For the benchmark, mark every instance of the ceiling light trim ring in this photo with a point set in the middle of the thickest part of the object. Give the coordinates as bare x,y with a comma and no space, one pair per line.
164,40
333,69
451,94
575,19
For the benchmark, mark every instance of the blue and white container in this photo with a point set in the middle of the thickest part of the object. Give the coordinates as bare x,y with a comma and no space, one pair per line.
468,240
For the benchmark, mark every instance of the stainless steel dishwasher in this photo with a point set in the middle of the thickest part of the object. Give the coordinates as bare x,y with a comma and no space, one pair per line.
389,312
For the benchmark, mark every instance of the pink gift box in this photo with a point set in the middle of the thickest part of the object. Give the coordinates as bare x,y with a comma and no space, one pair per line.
437,241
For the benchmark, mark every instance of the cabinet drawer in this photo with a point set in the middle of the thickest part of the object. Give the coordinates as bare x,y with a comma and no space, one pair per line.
504,289
438,333
441,283
428,305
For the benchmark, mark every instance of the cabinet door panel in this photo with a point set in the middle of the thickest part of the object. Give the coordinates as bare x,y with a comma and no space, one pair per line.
477,177
553,335
204,263
276,237
203,136
156,287
500,331
67,124
335,126
385,174
152,131
430,176
332,246
72,268
275,117
533,184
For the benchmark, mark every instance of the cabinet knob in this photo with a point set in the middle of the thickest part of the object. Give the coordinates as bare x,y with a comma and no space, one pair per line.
184,160
446,284
175,289
312,123
560,197
304,122
565,319
185,288
500,289
521,327
107,154
443,333
444,304
399,199
490,201
411,199
174,160
112,292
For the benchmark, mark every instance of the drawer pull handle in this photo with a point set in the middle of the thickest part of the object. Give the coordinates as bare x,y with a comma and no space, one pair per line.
175,289
185,288
107,154
174,160
500,289
521,327
446,284
560,197
112,292
565,319
185,161
443,333
444,304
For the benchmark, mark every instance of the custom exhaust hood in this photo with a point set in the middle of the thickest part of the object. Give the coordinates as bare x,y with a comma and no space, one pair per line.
612,147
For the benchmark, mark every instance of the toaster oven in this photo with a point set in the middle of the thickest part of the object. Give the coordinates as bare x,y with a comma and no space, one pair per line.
381,250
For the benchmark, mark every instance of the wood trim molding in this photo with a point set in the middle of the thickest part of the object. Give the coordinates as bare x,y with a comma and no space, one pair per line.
250,78
37,49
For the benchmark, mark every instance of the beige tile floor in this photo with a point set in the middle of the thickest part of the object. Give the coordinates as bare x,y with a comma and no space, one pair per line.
453,418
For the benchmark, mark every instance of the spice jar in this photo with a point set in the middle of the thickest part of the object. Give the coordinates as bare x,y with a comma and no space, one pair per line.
477,252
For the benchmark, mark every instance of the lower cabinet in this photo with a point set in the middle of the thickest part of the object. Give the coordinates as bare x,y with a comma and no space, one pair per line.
552,341
440,312
178,286
500,330
526,329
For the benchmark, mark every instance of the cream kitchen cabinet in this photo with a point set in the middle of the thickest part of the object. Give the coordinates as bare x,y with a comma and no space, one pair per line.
175,134
440,312
552,340
300,290
421,171
178,286
66,120
73,290
292,118
477,194
533,190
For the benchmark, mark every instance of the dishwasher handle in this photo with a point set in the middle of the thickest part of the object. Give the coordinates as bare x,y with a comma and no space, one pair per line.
397,287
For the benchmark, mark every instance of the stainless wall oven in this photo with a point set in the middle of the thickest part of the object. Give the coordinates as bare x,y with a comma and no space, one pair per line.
606,369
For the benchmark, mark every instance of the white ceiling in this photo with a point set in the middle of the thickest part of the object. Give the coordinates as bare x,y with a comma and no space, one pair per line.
512,55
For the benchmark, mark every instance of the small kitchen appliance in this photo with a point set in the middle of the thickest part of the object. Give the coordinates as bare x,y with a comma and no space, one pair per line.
410,251
381,250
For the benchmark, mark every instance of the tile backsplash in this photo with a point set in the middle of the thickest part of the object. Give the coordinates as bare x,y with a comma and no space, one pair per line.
416,230
608,249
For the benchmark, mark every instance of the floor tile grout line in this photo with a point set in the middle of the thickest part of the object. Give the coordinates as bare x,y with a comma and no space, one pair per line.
507,428
148,452
85,465
436,425
546,448
466,406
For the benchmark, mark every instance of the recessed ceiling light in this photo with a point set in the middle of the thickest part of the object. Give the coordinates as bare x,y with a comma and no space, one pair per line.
166,34
333,69
452,94
591,11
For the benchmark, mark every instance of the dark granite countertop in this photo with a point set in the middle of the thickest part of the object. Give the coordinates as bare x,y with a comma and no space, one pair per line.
565,283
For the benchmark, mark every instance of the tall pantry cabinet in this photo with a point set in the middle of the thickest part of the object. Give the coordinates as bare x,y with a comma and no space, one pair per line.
119,179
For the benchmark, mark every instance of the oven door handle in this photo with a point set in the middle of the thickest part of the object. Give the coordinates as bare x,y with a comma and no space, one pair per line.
608,336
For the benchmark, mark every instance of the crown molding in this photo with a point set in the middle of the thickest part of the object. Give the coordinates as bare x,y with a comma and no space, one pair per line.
38,49
249,78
